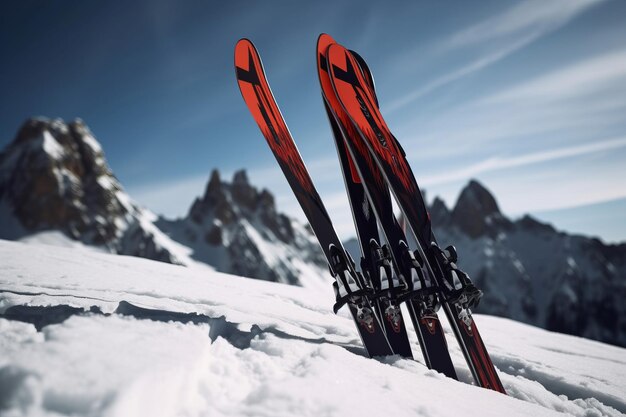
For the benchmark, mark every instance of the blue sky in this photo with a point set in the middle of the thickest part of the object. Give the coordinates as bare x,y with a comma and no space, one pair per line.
529,97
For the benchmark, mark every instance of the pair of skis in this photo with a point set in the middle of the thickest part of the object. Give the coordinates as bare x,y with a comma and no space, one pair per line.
374,166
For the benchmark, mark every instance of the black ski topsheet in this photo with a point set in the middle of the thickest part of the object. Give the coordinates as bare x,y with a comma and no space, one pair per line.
367,231
258,96
351,89
428,328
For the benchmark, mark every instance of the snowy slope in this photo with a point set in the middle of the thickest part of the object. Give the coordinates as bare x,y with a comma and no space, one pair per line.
164,340
57,187
237,229
534,273
54,177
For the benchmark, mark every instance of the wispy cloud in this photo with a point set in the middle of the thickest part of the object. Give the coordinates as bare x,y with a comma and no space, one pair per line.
499,163
576,102
459,73
589,76
501,35
173,198
530,16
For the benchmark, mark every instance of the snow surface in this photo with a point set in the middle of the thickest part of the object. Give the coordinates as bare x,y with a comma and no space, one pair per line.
253,348
57,238
51,146
90,141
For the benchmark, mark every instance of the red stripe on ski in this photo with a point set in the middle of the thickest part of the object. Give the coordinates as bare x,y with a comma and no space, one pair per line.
350,87
346,125
260,100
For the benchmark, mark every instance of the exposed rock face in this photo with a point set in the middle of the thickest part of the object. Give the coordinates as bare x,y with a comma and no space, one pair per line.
236,228
439,213
54,176
533,273
476,212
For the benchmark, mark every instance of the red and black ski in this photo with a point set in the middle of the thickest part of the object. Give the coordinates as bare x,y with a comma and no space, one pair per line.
376,262
349,285
357,100
427,326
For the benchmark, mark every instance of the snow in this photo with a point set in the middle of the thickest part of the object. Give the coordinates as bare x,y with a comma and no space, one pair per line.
268,251
182,253
253,348
106,182
57,238
51,146
92,143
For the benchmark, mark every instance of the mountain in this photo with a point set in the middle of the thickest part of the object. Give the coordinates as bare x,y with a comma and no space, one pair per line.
237,229
533,273
54,177
93,334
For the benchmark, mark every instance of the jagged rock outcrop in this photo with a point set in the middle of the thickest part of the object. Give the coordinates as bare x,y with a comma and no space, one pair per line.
54,176
439,213
476,212
533,273
236,228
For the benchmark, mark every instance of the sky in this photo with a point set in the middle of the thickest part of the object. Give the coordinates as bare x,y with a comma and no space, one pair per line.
528,97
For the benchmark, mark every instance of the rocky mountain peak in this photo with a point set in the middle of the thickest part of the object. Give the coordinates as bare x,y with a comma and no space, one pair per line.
54,176
439,212
236,228
531,224
214,187
478,199
243,193
230,203
476,210
240,178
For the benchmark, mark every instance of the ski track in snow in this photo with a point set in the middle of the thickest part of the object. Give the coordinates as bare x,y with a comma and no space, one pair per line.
198,343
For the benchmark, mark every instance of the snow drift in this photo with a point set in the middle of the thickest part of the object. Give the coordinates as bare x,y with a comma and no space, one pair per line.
122,336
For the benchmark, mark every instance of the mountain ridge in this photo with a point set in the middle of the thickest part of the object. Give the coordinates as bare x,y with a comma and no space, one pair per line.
54,176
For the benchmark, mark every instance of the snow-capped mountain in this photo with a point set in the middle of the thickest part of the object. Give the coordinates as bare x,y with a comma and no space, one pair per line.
94,334
54,177
533,273
236,228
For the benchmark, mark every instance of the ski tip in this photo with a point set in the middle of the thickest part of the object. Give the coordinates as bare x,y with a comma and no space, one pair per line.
243,43
242,47
323,40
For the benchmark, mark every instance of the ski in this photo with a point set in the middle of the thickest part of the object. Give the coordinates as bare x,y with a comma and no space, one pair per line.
421,304
350,287
375,262
454,289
